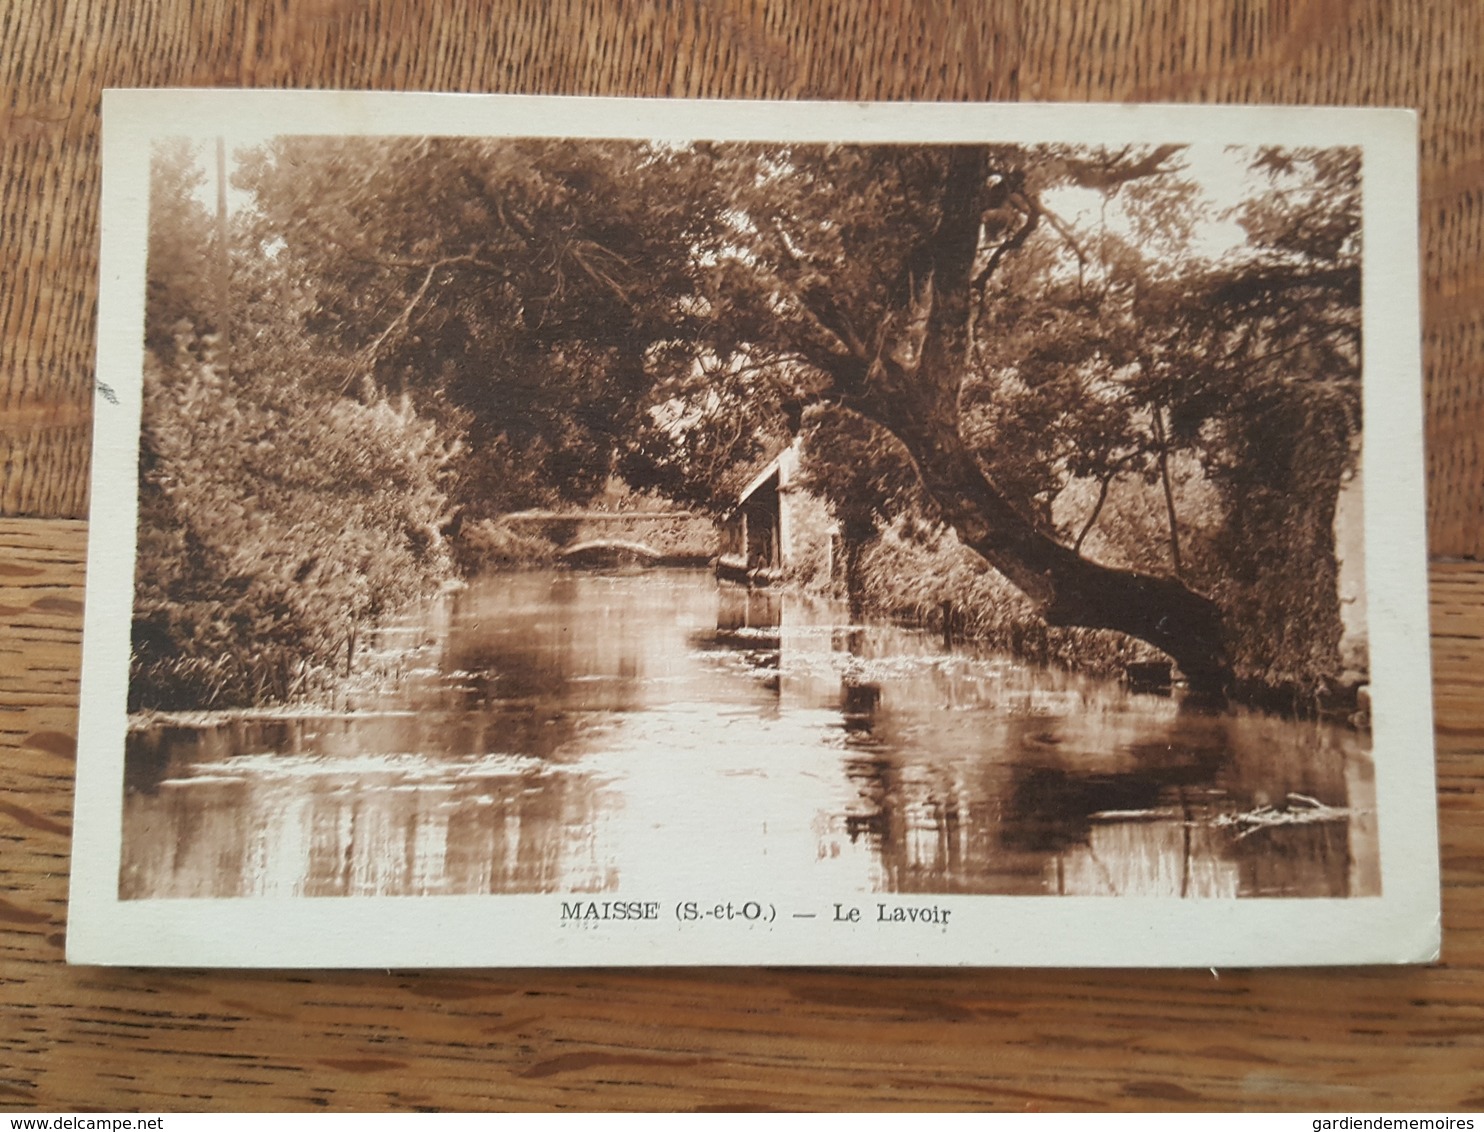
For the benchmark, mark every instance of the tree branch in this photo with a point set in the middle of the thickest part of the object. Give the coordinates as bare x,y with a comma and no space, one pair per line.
816,301
846,372
1064,230
366,357
1164,475
1097,509
1115,171
1015,241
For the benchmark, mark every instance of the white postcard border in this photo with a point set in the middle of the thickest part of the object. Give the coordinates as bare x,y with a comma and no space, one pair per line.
1400,925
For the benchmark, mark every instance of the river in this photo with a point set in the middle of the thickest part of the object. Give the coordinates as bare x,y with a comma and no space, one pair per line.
565,731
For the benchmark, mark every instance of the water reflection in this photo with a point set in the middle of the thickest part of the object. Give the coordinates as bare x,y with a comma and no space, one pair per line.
563,731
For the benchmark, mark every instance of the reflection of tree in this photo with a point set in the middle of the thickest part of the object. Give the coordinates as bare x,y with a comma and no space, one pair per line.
149,755
872,765
496,811
508,654
1070,805
748,626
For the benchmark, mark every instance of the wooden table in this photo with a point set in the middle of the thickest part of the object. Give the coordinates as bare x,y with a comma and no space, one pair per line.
1336,1040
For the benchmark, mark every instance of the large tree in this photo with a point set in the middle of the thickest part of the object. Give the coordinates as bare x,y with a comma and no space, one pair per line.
277,519
937,294
578,307
524,289
868,266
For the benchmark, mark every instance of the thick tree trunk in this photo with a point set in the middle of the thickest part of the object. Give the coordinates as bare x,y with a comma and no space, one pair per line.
1068,589
916,395
855,587
911,388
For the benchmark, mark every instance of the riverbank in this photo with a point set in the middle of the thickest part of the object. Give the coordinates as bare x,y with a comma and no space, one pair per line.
540,742
387,656
938,585
934,583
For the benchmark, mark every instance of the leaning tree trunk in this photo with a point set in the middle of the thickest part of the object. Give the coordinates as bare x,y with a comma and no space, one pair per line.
1069,590
913,390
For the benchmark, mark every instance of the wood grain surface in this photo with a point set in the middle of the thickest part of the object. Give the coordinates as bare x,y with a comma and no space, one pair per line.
1337,1040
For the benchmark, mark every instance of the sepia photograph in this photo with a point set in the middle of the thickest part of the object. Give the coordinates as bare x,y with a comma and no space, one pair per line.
852,524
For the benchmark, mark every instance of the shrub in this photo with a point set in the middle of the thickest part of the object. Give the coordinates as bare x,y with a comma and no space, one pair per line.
274,528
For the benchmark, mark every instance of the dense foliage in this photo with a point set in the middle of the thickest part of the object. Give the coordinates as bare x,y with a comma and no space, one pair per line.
1131,401
277,520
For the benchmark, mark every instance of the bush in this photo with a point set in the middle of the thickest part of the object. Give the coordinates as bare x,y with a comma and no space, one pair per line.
488,544
910,577
275,527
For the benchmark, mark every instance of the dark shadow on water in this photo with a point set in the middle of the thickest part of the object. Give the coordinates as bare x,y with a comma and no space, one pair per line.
559,726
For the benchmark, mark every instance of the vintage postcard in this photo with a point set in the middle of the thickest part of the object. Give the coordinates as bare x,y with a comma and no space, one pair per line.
540,531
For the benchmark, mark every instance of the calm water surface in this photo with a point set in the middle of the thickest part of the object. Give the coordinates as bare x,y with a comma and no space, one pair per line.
578,732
